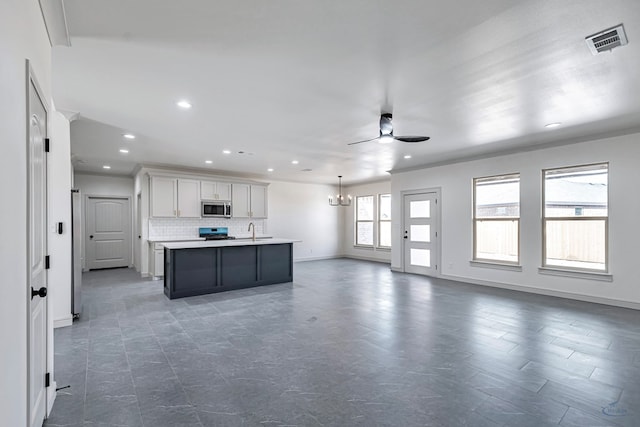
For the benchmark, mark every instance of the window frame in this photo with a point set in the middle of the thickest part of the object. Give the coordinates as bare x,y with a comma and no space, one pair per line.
477,260
380,221
372,221
604,219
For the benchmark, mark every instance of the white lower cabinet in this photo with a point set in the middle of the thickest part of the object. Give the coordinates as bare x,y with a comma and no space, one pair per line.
157,259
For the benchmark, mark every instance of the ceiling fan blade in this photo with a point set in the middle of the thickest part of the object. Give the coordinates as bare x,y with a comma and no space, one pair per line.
412,139
366,140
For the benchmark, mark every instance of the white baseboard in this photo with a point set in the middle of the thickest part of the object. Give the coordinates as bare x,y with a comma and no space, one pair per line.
51,396
319,258
543,291
364,258
61,323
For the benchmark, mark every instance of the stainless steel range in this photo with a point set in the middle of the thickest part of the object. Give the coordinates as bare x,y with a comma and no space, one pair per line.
215,233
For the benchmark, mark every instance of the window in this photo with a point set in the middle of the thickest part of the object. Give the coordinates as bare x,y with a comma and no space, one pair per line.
496,219
575,217
384,220
364,220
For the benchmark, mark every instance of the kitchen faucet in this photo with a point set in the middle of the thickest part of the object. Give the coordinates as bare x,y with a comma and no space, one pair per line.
253,237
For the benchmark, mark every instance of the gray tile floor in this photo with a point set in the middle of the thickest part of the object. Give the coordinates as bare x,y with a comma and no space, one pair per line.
349,343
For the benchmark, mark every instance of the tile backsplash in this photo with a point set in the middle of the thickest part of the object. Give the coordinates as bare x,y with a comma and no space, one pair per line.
187,228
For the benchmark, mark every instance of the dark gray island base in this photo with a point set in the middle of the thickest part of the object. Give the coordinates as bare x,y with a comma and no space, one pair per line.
209,267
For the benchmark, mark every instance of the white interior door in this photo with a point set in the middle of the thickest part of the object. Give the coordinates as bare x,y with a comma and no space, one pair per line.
421,233
37,256
108,232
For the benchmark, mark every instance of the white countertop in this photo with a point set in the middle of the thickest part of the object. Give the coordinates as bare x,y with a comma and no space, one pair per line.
249,236
202,239
175,239
223,243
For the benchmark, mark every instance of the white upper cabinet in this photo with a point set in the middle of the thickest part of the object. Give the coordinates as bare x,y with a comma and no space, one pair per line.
164,197
224,190
240,203
258,201
188,198
211,190
249,201
173,197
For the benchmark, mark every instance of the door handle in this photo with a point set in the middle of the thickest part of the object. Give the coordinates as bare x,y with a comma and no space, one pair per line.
42,292
91,236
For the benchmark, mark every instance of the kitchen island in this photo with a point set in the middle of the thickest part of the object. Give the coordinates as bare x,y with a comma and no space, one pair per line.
204,267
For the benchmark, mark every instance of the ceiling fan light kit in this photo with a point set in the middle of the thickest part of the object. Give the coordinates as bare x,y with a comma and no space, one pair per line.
386,133
339,199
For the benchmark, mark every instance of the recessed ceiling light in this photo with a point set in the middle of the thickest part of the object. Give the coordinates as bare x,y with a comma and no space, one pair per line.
124,150
208,161
129,136
106,167
270,170
553,125
408,156
184,104
294,162
226,151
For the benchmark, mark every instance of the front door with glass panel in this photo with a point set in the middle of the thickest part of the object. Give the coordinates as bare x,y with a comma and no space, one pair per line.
421,234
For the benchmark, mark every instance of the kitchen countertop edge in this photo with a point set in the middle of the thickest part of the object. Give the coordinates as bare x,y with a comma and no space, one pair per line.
225,243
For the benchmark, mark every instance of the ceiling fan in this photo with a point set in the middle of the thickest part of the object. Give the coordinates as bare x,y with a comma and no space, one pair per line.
386,133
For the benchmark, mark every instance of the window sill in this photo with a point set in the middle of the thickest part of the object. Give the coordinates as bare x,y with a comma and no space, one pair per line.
370,248
497,265
603,277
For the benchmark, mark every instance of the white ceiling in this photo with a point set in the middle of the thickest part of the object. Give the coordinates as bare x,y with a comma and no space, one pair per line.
300,79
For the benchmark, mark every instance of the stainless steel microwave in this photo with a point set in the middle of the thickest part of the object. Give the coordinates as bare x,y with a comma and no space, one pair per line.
215,208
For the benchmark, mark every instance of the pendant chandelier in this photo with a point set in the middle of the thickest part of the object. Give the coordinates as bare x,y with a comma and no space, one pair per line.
339,200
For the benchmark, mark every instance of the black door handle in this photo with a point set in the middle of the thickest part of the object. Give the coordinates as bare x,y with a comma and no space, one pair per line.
91,236
42,292
405,237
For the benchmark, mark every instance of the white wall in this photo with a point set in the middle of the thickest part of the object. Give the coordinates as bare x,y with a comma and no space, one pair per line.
60,211
301,211
455,180
348,233
22,36
141,249
105,185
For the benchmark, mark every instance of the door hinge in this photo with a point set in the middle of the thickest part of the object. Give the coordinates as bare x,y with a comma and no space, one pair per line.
436,266
47,379
47,145
47,262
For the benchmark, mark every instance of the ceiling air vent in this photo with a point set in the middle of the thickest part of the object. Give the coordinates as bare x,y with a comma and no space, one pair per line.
607,39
